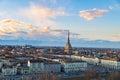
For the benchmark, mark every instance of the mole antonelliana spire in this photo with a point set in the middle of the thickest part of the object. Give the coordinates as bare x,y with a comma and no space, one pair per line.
68,47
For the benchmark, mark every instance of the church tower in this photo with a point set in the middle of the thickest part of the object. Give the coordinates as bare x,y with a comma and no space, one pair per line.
68,47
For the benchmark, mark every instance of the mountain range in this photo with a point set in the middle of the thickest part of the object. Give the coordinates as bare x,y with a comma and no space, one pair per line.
62,42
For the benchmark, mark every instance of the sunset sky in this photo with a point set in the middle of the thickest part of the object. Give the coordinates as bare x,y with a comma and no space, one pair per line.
32,19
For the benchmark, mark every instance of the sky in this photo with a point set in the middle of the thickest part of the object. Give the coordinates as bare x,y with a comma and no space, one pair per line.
50,19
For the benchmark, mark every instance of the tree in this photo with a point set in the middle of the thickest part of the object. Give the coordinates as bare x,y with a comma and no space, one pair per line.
47,76
1,77
91,74
113,76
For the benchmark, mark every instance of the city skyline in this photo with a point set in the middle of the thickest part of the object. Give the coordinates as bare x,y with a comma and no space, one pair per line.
41,19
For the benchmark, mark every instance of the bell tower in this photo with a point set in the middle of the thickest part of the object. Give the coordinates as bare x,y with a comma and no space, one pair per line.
68,47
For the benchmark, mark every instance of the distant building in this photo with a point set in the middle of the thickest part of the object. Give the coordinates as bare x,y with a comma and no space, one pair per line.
44,50
23,68
35,66
1,64
68,47
9,70
51,50
91,60
76,52
51,66
9,61
73,66
113,64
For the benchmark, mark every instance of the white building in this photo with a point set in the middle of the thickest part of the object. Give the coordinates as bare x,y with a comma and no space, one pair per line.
8,61
23,70
108,63
51,66
91,60
1,64
114,64
72,66
9,70
35,66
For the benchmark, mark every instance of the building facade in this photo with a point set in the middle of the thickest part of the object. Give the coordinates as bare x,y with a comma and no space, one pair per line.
9,70
35,66
73,66
52,67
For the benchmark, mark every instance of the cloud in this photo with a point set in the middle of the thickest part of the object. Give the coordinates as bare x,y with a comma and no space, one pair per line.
41,15
45,29
18,29
91,14
7,30
10,27
56,31
9,22
14,28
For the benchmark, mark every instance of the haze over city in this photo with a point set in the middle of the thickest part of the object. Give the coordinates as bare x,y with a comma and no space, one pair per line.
92,23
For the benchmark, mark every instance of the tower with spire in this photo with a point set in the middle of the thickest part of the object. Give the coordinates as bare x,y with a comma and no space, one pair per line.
68,47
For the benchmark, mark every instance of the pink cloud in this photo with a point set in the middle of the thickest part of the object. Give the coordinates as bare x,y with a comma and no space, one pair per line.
10,22
21,29
91,14
41,15
45,29
14,27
